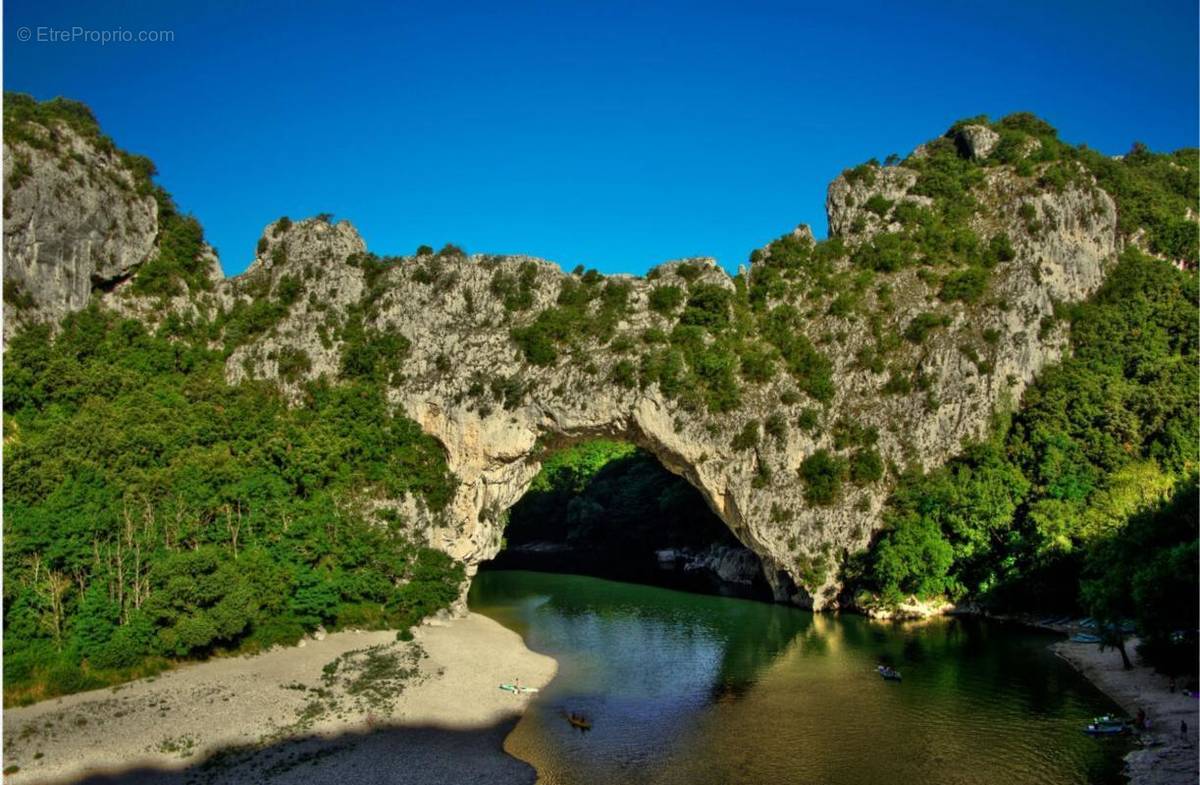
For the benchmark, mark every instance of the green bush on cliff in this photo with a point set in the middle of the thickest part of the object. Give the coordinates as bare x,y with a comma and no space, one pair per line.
179,258
747,438
823,473
371,353
878,204
708,306
34,123
515,291
812,370
587,309
966,285
866,466
665,299
923,324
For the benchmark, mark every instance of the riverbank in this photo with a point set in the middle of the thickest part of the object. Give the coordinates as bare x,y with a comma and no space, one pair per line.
1171,758
352,707
1175,760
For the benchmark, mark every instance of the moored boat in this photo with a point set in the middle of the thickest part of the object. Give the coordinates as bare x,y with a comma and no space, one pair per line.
1106,728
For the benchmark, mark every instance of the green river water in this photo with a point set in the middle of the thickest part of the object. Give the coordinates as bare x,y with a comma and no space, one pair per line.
688,688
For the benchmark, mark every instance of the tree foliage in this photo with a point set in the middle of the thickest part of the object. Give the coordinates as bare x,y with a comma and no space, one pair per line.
152,511
1099,444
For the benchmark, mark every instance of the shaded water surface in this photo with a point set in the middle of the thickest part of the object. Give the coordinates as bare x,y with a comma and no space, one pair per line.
686,688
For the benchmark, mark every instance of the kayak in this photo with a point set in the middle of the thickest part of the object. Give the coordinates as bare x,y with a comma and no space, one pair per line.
518,690
1084,637
888,674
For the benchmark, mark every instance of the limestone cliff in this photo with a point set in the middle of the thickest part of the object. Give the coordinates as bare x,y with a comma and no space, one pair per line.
73,224
81,217
505,358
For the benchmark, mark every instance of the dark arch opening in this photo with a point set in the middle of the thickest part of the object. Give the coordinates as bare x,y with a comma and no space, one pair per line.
610,509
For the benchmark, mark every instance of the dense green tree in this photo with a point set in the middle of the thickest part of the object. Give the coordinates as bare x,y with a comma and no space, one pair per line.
152,511
1147,572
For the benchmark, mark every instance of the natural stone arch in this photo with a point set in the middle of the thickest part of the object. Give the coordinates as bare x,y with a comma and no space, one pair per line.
458,330
484,495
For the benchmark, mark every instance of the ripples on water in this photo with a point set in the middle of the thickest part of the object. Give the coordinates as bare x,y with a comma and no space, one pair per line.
685,688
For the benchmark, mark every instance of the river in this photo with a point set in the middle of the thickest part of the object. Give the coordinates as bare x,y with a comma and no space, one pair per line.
688,688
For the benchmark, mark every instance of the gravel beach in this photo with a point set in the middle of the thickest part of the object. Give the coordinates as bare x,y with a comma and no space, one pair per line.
1176,759
350,707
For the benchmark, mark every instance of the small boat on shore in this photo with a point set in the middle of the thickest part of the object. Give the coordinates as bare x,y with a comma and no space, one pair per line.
1107,725
1083,637
518,689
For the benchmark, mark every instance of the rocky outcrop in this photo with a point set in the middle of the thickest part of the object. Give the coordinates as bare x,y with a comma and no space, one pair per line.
848,200
73,225
727,564
976,141
446,323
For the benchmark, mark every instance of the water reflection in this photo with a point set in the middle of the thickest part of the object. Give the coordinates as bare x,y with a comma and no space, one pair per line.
688,688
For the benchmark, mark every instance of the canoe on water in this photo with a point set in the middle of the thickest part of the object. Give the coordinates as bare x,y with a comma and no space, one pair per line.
519,690
889,674
1106,729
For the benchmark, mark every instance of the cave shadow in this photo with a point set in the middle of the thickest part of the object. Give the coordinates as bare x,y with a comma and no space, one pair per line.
395,754
628,518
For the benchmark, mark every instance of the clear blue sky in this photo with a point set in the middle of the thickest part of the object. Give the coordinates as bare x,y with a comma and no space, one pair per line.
613,134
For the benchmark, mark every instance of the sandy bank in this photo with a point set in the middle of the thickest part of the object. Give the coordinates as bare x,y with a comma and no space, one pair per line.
1175,762
429,711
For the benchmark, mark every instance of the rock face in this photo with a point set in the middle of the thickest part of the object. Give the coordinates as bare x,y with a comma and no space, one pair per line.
455,369
730,565
976,141
848,200
73,225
